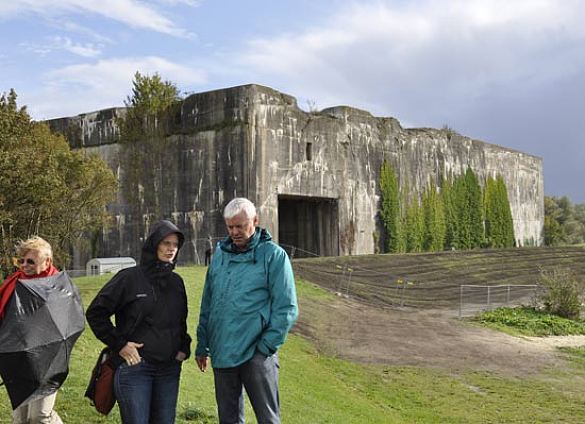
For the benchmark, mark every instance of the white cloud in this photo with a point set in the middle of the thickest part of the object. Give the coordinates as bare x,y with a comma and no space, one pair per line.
192,3
507,72
385,51
64,43
92,86
68,25
85,50
133,13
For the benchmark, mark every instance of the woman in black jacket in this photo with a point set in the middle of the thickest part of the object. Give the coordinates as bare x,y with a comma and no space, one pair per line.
150,333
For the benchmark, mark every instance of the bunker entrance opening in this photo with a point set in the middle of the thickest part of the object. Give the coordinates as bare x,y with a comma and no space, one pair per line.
308,226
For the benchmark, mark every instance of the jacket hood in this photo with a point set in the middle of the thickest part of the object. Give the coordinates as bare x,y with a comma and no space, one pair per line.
158,232
260,236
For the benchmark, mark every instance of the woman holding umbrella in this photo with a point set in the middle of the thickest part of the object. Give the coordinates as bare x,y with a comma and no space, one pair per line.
149,340
35,260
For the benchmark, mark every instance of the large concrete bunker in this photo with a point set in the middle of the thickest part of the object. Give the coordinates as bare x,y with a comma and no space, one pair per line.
313,176
309,225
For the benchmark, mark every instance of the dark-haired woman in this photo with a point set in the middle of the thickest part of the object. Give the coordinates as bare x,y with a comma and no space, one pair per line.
149,339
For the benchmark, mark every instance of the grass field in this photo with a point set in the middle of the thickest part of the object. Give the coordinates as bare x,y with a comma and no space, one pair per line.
316,388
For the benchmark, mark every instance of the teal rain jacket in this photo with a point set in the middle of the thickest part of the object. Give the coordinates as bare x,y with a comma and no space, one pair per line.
249,302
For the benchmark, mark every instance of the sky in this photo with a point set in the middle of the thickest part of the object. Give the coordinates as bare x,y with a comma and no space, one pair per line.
508,72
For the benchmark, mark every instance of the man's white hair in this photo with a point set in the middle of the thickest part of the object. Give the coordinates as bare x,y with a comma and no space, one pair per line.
239,205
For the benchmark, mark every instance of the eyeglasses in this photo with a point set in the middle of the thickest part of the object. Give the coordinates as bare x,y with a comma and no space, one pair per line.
29,261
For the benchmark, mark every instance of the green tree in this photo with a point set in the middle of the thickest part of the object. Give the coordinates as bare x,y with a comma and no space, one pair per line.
563,294
564,222
509,238
144,137
467,202
150,94
580,218
148,106
491,212
462,220
435,227
390,210
475,210
554,233
402,202
565,209
499,226
46,188
451,215
414,227
569,218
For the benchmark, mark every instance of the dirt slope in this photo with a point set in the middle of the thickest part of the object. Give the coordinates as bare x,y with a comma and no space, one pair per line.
368,325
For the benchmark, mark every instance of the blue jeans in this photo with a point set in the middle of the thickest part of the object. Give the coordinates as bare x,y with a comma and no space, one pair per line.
259,376
147,392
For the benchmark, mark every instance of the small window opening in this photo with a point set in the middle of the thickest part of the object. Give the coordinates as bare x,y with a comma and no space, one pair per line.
309,151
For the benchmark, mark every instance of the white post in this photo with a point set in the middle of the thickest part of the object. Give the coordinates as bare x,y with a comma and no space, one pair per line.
460,300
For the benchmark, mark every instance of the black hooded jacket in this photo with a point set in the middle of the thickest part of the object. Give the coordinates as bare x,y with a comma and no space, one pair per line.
149,303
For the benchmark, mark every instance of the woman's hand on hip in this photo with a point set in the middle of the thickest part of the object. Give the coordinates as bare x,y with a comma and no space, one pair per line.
130,353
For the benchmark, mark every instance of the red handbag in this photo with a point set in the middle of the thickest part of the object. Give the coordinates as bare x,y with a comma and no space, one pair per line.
100,389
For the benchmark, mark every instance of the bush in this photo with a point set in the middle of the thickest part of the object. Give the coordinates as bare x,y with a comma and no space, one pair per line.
529,321
563,293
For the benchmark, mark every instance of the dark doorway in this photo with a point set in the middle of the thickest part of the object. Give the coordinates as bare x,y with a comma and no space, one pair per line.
308,226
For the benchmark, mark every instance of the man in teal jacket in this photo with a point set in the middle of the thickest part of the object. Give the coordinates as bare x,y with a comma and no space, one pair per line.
249,305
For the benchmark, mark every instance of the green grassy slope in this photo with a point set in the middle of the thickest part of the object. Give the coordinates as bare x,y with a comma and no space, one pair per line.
316,388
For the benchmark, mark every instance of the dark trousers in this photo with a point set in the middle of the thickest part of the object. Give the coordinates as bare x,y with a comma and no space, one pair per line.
147,393
259,376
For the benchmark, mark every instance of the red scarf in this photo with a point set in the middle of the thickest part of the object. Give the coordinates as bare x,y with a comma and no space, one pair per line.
8,286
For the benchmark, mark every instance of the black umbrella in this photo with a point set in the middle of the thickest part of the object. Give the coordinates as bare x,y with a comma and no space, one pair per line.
42,322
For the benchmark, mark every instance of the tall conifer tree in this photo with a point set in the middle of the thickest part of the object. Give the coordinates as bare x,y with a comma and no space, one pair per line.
508,237
390,208
472,211
434,220
451,228
499,227
415,227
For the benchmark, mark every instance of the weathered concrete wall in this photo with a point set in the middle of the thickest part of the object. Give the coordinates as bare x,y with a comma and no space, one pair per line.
253,141
90,129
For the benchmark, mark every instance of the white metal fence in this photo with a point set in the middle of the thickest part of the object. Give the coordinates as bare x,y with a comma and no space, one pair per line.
475,298
297,252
